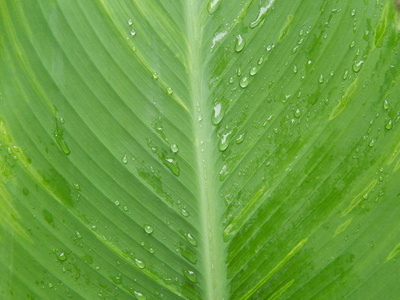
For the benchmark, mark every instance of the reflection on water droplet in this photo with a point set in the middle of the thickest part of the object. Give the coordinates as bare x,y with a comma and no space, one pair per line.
174,148
140,263
148,229
240,43
151,250
133,32
130,22
244,82
125,159
190,275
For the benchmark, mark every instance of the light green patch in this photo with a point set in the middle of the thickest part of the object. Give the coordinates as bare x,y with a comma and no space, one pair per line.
338,109
286,27
360,197
342,227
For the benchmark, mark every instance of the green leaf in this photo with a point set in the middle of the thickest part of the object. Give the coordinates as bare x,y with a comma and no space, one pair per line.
199,150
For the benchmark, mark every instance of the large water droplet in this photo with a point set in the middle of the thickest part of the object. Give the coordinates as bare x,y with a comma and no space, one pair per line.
244,82
218,114
148,229
357,66
191,239
224,141
261,14
389,125
140,263
174,148
253,71
240,43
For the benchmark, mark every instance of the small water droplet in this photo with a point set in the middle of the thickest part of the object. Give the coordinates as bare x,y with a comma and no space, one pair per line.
389,125
62,256
172,164
190,275
148,229
170,91
240,139
297,113
240,43
117,279
261,60
345,74
295,69
155,76
239,72
185,213
78,235
133,32
116,203
174,148
125,208
191,239
244,82
353,12
231,80
151,250
125,159
130,22
253,71
140,263
321,79
352,44
386,104
372,143
357,66
77,186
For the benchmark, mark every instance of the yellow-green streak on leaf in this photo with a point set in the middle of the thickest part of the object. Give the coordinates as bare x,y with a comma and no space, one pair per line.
278,293
357,199
344,100
381,27
286,27
394,252
275,269
342,227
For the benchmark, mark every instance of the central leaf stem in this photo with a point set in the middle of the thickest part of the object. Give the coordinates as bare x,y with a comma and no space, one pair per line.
212,245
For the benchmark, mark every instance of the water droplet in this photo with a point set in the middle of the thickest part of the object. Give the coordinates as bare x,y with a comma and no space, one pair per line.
295,69
297,113
353,12
62,256
155,76
94,227
174,148
117,279
78,235
261,60
389,125
130,22
224,141
386,104
213,6
253,71
190,275
244,82
372,143
151,250
77,186
133,32
172,164
116,203
261,14
321,79
345,74
218,114
138,295
357,66
239,72
170,91
240,139
352,44
125,208
240,43
231,80
191,239
62,121
188,254
125,159
140,263
148,229
185,213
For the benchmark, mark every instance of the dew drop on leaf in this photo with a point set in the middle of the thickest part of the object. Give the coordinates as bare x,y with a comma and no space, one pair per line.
185,213
357,66
386,104
170,91
191,239
148,229
218,114
140,263
240,43
240,139
189,274
125,159
174,148
130,22
224,141
244,82
253,71
133,32
213,6
62,256
389,125
297,113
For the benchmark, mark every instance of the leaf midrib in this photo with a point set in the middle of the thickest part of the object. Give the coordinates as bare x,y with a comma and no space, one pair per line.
213,255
